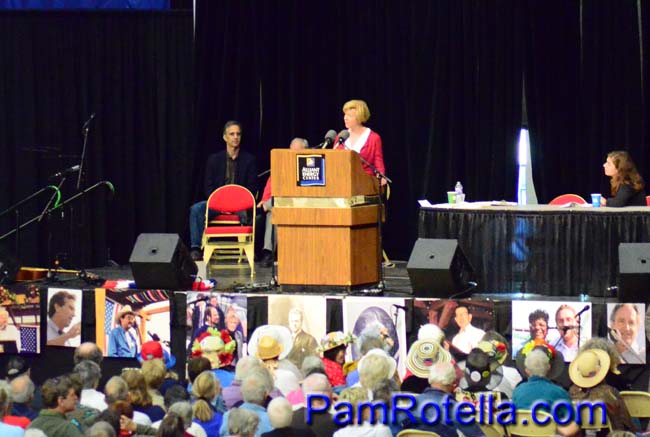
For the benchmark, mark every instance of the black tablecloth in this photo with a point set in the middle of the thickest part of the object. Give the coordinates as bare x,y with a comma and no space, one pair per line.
540,249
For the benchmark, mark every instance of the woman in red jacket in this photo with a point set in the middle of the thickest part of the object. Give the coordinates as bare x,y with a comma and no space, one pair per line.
362,140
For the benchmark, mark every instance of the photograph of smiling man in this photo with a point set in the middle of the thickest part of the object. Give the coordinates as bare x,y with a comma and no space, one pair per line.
63,317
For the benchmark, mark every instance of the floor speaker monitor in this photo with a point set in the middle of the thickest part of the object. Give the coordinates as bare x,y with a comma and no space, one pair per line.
162,261
634,272
438,268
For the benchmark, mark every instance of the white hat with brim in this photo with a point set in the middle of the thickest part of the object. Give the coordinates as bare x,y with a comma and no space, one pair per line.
280,333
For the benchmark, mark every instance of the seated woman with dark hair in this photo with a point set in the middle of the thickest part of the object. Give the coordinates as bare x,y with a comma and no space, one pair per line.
626,182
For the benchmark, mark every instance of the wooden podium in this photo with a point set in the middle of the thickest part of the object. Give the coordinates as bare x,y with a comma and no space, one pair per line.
328,235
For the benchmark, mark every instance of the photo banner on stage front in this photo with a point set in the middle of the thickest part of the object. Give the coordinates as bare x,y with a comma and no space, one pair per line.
306,318
627,331
372,317
125,319
219,311
565,325
20,318
63,323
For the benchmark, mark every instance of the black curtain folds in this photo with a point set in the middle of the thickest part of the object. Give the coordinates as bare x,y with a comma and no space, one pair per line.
443,80
584,92
134,70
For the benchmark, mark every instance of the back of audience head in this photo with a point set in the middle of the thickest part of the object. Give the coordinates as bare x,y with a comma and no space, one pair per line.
197,365
175,393
22,389
89,372
154,372
171,426
355,395
101,429
312,364
316,383
242,422
183,410
245,365
116,389
537,363
280,413
88,351
255,387
123,408
34,432
383,391
112,417
205,388
442,374
137,387
374,370
5,398
16,366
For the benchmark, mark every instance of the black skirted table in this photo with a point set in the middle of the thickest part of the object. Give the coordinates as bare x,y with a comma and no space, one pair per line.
549,250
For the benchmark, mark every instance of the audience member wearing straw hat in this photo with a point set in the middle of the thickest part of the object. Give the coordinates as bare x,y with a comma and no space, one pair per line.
588,371
422,355
272,344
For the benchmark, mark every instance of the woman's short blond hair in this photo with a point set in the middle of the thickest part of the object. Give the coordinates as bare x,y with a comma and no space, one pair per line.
363,113
154,372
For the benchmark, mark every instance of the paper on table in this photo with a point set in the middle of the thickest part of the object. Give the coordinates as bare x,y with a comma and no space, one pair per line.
424,203
574,204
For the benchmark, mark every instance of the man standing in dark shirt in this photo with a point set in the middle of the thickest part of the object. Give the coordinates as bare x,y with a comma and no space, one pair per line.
230,166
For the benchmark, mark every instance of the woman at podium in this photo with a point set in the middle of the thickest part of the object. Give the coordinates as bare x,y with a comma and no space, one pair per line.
362,139
626,182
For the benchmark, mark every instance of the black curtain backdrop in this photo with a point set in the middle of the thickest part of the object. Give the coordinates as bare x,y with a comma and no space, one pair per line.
584,92
134,70
442,79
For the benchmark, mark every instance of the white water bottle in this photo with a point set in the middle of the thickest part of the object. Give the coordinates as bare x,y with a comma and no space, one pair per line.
460,197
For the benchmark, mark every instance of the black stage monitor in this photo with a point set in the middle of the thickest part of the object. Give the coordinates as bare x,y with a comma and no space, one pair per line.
438,268
161,261
634,272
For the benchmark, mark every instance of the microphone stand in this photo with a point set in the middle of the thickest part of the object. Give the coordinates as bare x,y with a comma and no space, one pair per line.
16,207
381,286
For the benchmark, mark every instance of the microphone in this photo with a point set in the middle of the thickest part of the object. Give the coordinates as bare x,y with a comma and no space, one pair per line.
328,140
566,328
66,172
153,336
401,307
586,308
343,136
87,123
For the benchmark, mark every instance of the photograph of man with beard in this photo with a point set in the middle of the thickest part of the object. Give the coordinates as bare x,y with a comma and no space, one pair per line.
64,308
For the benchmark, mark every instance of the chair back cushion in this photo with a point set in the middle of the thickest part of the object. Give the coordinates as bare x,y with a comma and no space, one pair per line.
231,198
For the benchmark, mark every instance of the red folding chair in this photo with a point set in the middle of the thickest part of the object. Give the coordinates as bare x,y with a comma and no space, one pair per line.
567,198
225,238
